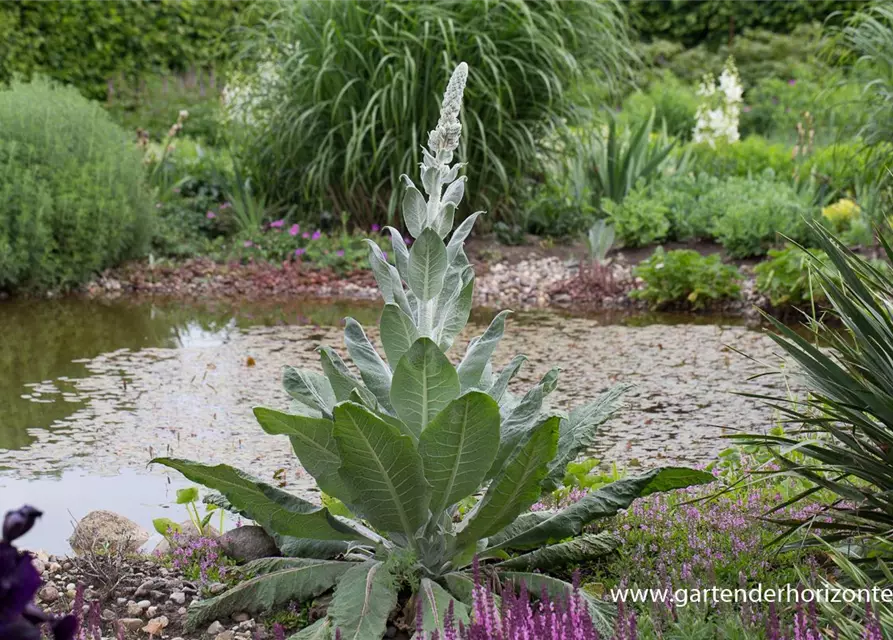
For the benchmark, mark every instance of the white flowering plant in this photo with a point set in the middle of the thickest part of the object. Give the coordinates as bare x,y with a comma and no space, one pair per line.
718,114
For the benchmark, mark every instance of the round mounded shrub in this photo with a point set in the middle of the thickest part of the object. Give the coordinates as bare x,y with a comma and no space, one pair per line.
73,200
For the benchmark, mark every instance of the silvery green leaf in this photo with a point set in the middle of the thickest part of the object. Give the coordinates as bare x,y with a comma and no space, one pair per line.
454,192
453,172
364,598
460,234
363,396
435,602
427,265
430,177
401,253
479,351
455,316
579,550
340,377
444,222
414,210
310,388
374,371
319,630
505,376
388,278
424,383
398,333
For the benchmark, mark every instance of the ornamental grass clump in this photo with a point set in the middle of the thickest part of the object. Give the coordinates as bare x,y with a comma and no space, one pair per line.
425,464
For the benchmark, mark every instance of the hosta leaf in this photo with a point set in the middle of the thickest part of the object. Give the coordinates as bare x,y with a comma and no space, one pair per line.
314,444
415,210
435,602
427,265
270,507
382,469
309,388
424,383
401,253
601,613
578,432
479,351
458,447
516,487
363,600
578,550
374,371
319,630
460,234
505,376
340,377
398,332
605,502
268,591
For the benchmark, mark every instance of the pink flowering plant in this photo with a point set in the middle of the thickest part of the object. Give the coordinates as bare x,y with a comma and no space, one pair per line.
401,442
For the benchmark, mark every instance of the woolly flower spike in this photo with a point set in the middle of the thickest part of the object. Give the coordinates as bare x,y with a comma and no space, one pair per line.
445,136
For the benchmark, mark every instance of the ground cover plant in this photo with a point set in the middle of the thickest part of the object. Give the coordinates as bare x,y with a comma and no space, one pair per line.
402,449
685,277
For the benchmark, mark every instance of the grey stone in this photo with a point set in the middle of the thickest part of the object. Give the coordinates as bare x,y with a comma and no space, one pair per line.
131,624
49,594
215,628
178,596
105,530
225,635
244,544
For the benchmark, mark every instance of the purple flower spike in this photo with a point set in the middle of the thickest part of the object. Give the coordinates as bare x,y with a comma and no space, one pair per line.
792,82
247,244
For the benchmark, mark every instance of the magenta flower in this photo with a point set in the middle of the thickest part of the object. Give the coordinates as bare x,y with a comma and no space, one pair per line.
247,244
316,235
375,228
300,251
407,240
340,253
294,230
276,224
385,254
305,235
210,215
792,82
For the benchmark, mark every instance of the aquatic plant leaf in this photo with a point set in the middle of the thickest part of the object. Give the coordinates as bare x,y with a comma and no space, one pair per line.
309,388
270,590
374,371
363,600
605,502
479,351
427,266
581,549
398,333
424,383
313,443
601,613
435,602
458,447
515,488
270,507
382,469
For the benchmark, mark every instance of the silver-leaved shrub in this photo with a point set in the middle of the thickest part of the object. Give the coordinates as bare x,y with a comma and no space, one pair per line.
400,446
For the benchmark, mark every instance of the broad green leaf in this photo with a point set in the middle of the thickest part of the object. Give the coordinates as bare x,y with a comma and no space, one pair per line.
270,507
313,443
427,266
601,613
461,586
516,487
401,253
382,271
268,591
454,192
166,526
458,447
187,495
374,371
604,503
319,630
455,315
578,550
264,566
479,351
460,234
505,376
363,601
435,603
382,469
398,333
577,434
415,210
306,548
309,388
424,383
521,524
340,377
444,222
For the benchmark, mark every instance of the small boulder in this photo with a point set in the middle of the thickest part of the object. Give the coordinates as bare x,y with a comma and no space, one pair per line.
178,597
131,624
105,530
215,628
244,544
49,594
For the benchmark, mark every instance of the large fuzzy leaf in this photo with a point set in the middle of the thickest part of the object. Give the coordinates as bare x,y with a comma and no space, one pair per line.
501,383
313,443
460,234
458,448
374,371
401,253
603,503
479,351
265,592
577,550
461,586
382,470
339,376
435,603
310,549
600,612
578,432
309,388
415,209
515,488
424,383
398,333
521,524
427,265
455,313
319,630
363,601
270,507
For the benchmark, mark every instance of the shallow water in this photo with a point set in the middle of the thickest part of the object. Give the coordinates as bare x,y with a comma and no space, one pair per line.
92,391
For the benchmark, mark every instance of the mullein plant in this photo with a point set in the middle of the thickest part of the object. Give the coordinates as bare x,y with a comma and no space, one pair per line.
425,464
20,618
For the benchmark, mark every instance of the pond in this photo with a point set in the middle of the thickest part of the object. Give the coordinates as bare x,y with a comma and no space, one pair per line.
93,390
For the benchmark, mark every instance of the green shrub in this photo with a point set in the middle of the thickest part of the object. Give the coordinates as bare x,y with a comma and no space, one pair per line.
673,102
685,277
752,215
72,194
845,165
750,156
639,220
788,278
342,129
682,195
